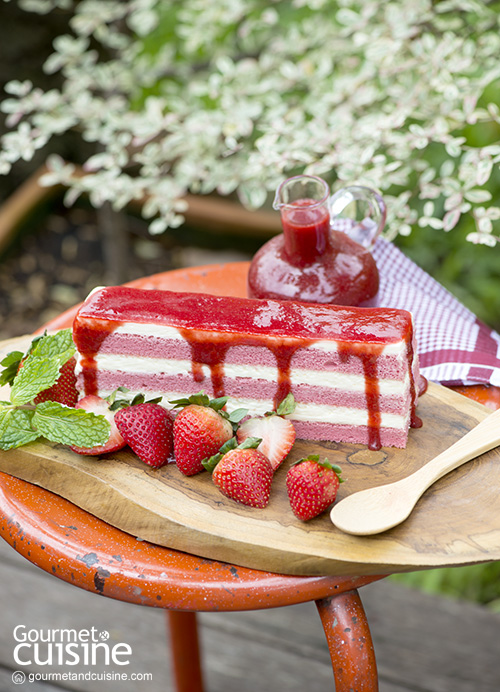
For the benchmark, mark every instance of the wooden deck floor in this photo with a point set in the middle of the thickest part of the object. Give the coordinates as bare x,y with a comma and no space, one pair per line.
422,643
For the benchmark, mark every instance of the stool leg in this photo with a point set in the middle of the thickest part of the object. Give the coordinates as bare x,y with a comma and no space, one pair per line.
185,650
350,642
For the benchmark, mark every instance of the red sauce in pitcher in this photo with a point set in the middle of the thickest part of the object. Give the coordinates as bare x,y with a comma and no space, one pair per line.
311,262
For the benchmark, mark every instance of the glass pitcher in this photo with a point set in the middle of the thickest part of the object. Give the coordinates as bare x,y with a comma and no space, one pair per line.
322,256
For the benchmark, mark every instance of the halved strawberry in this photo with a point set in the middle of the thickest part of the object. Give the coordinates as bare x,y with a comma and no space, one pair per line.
94,404
277,433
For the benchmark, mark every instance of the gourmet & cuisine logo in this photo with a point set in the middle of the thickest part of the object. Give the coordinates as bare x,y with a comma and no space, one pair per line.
68,647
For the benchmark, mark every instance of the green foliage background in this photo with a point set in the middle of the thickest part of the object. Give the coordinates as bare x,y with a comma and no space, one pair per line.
471,272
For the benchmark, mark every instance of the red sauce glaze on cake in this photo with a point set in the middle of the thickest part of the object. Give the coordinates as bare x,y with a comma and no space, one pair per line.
211,325
205,351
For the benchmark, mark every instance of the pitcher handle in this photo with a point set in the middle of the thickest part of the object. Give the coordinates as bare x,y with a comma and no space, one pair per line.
364,231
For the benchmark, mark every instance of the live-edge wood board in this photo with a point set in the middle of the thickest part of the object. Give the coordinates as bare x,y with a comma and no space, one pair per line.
457,521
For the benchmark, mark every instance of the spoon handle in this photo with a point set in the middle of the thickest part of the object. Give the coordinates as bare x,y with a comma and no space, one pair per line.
482,438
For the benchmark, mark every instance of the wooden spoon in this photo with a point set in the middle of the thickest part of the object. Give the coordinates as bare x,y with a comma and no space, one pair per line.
377,509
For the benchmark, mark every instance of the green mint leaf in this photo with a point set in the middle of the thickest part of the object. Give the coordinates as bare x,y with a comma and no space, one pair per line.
41,368
36,375
70,426
16,427
11,366
51,345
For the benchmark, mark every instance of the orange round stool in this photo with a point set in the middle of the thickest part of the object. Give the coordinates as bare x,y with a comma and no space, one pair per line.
82,550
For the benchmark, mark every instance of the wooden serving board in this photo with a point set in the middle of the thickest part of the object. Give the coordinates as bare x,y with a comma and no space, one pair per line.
456,522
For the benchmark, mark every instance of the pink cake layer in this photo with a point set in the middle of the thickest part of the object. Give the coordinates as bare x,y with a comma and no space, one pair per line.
353,434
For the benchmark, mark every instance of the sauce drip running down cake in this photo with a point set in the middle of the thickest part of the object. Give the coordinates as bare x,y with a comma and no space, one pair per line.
353,371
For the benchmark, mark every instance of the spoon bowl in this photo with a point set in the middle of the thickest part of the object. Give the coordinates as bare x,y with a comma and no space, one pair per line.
375,510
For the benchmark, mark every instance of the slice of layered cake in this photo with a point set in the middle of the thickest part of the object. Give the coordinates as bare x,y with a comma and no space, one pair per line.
353,371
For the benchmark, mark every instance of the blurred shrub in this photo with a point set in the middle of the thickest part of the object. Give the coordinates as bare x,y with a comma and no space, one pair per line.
477,583
234,95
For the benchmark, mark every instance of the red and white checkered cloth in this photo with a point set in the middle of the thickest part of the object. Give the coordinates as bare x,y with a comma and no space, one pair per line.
454,346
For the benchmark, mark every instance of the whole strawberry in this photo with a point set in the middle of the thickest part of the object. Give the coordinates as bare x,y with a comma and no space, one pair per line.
147,428
200,430
243,474
312,486
64,390
277,433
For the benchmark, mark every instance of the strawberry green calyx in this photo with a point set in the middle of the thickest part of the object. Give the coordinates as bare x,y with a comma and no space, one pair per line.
202,399
287,406
211,462
284,408
115,403
325,463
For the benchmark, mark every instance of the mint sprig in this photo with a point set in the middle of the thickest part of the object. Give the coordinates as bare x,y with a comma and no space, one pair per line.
70,426
36,375
39,367
21,421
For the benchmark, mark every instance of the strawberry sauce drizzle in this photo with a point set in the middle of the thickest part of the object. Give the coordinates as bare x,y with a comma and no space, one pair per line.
91,334
415,421
368,358
205,352
207,349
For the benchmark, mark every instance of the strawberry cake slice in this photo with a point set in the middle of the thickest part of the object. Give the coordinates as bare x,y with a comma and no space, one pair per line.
353,371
